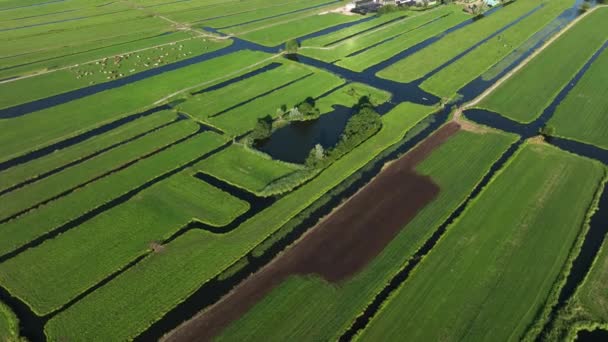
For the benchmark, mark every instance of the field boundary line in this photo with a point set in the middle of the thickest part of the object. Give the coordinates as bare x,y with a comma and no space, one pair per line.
525,62
234,73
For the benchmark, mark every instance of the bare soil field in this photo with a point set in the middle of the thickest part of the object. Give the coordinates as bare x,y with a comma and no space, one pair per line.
340,245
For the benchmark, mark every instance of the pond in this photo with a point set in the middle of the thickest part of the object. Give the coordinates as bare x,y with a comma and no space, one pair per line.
293,142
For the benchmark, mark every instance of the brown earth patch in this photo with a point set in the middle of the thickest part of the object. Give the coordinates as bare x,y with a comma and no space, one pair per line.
340,245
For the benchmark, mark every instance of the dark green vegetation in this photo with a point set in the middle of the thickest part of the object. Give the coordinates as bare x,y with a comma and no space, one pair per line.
531,214
9,325
133,189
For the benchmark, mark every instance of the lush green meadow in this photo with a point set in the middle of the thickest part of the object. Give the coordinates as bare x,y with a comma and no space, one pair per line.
404,33
49,187
525,95
86,149
350,94
9,325
151,217
243,118
104,70
246,168
458,74
67,208
325,311
582,115
213,102
78,116
206,255
497,262
428,59
282,32
588,308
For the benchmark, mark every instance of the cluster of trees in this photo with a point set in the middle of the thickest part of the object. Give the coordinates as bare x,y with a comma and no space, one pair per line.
303,111
360,127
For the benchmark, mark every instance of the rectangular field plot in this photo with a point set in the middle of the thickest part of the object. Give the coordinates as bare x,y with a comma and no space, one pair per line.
215,102
583,113
30,195
281,32
79,116
492,272
246,168
524,96
107,69
327,307
66,210
242,119
113,239
350,94
373,46
206,255
451,45
449,80
40,167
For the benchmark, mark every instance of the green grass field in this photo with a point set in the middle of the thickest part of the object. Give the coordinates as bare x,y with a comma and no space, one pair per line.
9,325
49,187
525,95
40,166
497,263
325,310
420,64
350,94
449,80
213,102
108,69
245,168
582,115
207,255
382,52
150,217
282,32
61,211
588,308
80,115
406,32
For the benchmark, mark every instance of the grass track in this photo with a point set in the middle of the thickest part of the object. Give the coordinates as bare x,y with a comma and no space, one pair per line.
524,96
491,273
160,273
